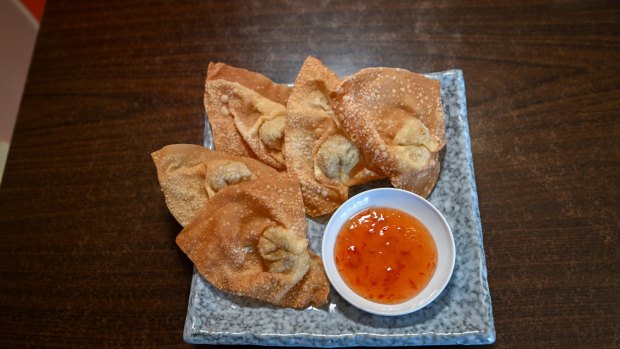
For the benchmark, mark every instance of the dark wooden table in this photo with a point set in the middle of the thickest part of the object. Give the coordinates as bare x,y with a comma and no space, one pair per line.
87,252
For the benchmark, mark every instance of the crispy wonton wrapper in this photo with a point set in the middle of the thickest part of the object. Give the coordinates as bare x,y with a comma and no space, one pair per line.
190,174
244,122
315,148
250,240
278,93
395,117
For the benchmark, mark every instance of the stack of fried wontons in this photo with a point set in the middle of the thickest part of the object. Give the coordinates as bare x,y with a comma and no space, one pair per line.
286,152
244,225
331,134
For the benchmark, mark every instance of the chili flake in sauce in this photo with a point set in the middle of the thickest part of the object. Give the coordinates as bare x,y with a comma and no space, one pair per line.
385,255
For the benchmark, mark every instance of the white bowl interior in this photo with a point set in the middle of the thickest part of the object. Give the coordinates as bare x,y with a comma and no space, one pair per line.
414,205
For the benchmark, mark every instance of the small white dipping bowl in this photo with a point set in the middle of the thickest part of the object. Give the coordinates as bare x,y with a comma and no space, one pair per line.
407,202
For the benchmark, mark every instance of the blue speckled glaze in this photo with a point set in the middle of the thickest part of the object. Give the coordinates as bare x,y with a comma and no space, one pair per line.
460,315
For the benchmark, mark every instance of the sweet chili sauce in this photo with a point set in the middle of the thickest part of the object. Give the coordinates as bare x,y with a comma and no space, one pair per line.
385,255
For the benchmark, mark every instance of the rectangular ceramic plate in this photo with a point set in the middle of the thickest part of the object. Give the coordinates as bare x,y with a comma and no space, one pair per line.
460,315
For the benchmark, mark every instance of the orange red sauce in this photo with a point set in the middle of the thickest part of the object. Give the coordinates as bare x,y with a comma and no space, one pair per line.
385,255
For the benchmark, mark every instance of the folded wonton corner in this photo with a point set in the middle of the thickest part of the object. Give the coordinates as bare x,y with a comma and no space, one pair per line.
250,240
190,174
246,111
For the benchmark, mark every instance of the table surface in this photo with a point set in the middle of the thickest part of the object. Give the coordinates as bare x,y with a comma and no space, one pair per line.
87,252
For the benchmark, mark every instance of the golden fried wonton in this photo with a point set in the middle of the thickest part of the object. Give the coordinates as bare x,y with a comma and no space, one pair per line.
254,81
190,174
246,123
316,150
250,240
395,117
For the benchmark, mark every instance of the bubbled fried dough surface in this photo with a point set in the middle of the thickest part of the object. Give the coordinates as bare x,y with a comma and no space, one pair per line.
313,289
315,149
225,135
190,174
244,121
254,81
250,240
395,117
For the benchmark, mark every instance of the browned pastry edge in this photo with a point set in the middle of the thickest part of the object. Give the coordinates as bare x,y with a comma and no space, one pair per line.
278,93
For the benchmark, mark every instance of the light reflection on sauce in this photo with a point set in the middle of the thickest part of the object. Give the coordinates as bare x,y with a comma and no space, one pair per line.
385,255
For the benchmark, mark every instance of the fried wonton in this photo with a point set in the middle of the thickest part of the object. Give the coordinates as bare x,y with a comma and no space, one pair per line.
395,117
315,148
250,240
278,93
245,122
190,175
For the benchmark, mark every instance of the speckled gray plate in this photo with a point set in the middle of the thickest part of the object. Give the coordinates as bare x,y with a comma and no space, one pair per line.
460,315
